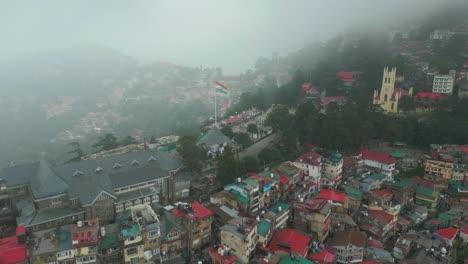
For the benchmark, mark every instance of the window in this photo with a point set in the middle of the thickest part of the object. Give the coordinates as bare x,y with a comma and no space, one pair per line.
131,251
98,170
173,235
55,201
77,173
134,163
117,166
119,208
151,159
153,233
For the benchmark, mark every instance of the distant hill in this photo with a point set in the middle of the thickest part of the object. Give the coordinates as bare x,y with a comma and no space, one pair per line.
71,71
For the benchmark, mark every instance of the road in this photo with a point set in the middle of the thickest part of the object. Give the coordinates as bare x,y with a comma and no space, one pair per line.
259,146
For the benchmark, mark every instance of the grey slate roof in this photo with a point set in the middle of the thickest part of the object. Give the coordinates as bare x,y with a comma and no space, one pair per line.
18,175
168,222
233,230
128,196
45,215
213,137
46,183
86,185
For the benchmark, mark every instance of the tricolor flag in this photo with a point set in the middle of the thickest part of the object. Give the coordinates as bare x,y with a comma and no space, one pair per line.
221,88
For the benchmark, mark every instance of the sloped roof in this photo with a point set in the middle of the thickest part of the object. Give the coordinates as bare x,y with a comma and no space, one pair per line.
213,137
324,256
353,237
46,183
289,240
11,252
20,174
263,227
381,157
448,233
381,216
65,241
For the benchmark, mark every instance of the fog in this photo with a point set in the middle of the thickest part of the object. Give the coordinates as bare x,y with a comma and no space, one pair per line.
230,34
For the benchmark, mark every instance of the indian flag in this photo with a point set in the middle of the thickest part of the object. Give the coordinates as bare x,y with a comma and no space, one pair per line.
221,88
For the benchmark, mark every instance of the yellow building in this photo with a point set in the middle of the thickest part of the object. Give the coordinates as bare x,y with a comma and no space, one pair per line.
389,97
436,170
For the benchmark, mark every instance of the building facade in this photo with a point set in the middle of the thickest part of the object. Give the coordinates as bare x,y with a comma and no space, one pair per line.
443,84
389,97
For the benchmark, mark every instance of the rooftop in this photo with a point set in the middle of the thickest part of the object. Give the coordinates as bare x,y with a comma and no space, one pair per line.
240,226
353,237
85,231
65,242
12,252
354,193
194,210
214,137
382,193
290,241
377,156
111,239
311,158
381,216
276,208
263,227
294,259
44,242
331,195
448,233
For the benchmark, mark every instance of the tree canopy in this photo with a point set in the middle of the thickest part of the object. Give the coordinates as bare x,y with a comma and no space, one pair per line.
190,152
106,142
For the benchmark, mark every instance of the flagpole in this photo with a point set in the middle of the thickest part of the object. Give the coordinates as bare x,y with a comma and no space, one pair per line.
215,110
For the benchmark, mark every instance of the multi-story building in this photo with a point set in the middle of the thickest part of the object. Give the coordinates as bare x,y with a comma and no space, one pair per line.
332,171
443,84
379,224
43,246
438,169
65,252
380,197
265,231
6,205
372,181
197,220
241,236
349,245
289,241
427,197
459,172
47,195
110,245
389,97
440,34
312,216
290,175
174,239
248,192
148,223
403,191
311,164
376,161
352,199
85,240
280,214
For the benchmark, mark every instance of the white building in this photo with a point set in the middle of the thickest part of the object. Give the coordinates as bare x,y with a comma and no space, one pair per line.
378,161
443,84
349,246
439,35
311,164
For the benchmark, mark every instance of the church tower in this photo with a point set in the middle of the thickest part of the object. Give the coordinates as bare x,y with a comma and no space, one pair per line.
386,97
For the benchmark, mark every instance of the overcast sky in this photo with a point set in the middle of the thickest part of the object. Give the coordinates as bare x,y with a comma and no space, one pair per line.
230,34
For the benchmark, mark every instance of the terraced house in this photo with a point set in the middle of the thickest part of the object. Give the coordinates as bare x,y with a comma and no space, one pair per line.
44,195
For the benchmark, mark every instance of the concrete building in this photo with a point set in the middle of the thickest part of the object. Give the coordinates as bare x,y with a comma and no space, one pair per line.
312,216
85,239
241,237
438,169
377,161
332,171
311,164
443,84
349,246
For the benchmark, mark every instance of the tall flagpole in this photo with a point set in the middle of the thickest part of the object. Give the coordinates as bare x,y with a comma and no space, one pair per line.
215,110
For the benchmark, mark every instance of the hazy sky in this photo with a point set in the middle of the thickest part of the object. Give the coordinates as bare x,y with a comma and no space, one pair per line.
231,34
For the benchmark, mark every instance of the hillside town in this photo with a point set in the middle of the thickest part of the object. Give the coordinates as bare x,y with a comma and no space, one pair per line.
241,191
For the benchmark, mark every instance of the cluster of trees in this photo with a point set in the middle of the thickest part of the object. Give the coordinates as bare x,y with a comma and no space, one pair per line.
105,142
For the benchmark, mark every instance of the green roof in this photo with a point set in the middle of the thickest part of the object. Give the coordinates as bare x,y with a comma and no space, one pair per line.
377,176
201,136
336,157
111,239
284,206
396,153
295,260
132,231
287,170
250,182
240,197
403,183
426,191
263,226
353,192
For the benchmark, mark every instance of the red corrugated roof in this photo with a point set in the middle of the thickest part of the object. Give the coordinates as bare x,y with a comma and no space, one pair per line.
306,87
283,179
326,100
311,158
375,243
402,221
448,233
323,256
432,96
289,240
20,230
198,211
233,119
381,216
11,252
464,229
345,76
332,195
378,156
463,148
